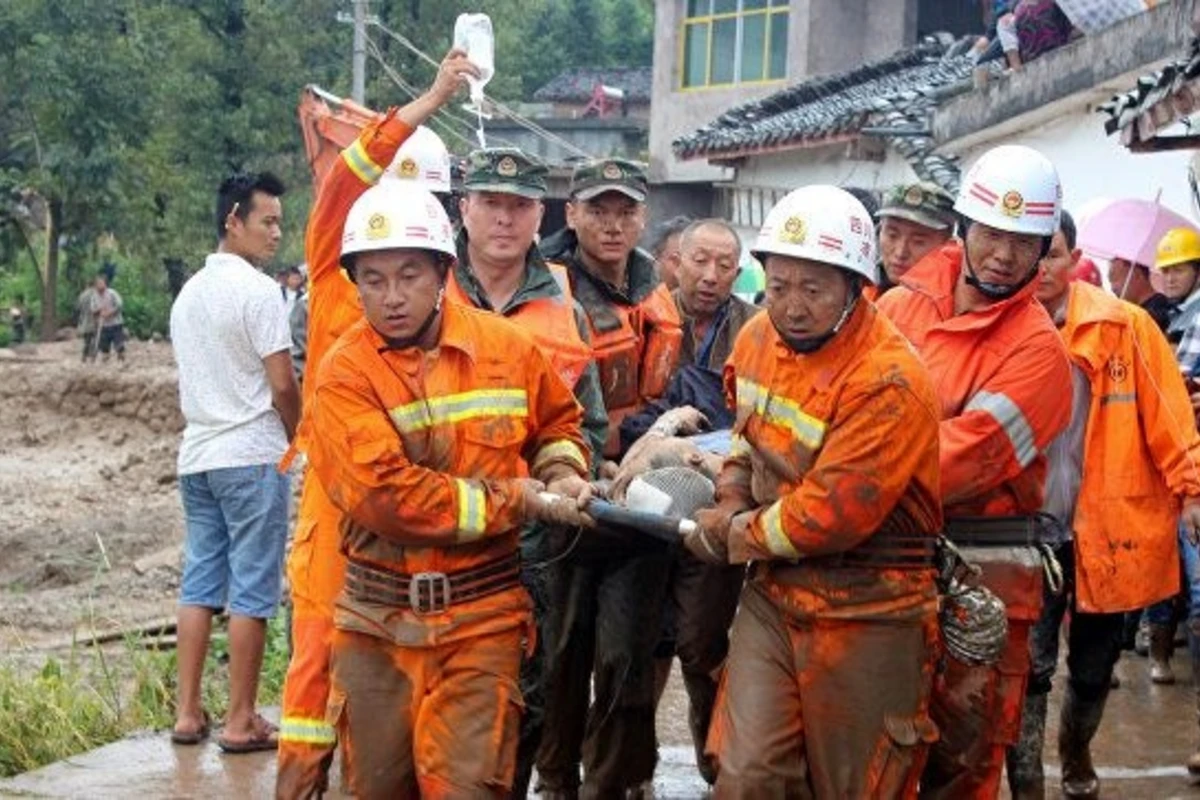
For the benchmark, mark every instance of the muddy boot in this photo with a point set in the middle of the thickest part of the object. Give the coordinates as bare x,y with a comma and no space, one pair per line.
1162,646
1078,724
1026,777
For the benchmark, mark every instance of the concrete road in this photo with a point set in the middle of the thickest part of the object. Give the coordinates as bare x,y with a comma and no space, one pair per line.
1147,734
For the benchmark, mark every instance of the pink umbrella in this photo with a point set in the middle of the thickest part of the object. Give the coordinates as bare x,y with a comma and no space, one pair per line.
1129,229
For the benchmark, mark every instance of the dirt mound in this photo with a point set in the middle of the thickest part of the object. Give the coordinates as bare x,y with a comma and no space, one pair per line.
87,487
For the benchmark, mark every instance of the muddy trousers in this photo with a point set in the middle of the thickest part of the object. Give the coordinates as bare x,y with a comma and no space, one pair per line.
315,570
978,708
430,722
701,600
835,708
606,619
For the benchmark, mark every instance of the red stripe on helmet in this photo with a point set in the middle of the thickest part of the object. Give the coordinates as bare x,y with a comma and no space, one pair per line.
984,193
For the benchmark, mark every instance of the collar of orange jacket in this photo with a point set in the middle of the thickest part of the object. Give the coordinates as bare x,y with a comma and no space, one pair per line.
935,277
1095,323
1088,304
455,332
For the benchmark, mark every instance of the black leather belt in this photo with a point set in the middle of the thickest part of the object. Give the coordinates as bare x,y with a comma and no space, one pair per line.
887,551
431,592
1023,531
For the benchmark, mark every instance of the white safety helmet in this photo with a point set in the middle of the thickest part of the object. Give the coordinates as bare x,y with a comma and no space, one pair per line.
1012,188
392,215
821,223
422,159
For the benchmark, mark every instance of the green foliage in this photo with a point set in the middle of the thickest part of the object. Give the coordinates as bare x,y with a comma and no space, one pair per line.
119,118
94,697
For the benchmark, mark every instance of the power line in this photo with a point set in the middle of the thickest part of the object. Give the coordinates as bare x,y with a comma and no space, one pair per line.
445,115
413,92
528,124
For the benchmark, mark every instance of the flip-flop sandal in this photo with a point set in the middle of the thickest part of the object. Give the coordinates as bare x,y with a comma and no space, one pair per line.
193,737
266,724
256,745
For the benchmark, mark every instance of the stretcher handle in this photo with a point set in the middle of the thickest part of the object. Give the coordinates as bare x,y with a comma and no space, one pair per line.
668,529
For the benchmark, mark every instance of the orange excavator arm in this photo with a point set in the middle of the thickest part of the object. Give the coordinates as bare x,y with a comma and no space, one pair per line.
329,124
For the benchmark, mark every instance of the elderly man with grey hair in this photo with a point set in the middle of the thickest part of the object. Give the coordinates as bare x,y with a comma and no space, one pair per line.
701,598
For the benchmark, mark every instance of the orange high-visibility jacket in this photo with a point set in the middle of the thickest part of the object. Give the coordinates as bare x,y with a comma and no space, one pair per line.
838,441
637,354
1141,454
1003,381
422,451
550,321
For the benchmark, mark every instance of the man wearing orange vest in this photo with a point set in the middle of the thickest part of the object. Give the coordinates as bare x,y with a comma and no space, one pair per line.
1122,476
500,269
831,493
608,607
393,148
434,429
1004,382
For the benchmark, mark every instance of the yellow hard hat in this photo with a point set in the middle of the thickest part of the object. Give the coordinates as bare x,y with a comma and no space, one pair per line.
1178,246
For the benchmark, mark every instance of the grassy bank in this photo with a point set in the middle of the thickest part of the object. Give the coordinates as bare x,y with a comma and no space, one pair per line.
94,696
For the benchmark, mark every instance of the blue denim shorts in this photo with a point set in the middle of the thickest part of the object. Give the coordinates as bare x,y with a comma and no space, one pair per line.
237,523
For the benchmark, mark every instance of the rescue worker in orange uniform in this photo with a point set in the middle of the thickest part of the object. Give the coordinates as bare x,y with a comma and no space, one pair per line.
500,269
396,148
607,606
1004,388
434,428
831,494
1122,476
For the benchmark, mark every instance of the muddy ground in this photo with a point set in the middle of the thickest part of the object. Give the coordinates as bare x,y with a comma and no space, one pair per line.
87,487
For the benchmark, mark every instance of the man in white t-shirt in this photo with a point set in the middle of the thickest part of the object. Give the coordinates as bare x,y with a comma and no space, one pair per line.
239,397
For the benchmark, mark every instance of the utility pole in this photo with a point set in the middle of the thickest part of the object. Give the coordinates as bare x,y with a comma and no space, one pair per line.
358,89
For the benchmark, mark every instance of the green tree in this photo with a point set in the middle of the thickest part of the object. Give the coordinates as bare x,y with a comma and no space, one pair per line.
73,110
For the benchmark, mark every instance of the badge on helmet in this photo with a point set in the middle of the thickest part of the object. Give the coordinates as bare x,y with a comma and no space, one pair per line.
407,168
378,227
794,231
1013,204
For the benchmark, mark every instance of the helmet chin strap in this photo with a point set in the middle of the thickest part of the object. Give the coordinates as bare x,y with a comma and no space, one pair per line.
414,340
811,344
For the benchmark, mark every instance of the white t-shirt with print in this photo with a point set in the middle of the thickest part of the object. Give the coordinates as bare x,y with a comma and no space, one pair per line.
227,318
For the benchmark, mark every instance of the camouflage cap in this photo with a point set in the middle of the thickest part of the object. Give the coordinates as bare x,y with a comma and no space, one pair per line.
924,203
594,178
507,170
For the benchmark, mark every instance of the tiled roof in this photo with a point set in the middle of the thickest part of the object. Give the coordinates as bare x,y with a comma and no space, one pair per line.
1158,100
897,94
576,85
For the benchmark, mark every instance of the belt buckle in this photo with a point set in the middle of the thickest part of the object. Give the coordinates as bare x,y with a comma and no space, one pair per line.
429,592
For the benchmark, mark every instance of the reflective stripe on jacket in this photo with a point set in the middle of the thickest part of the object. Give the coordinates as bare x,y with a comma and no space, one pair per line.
1003,381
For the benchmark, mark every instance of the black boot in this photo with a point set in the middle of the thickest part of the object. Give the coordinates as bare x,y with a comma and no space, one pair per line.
1026,777
1079,722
